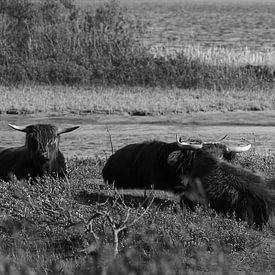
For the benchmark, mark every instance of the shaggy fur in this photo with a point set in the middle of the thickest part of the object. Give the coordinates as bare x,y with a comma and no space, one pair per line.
144,165
226,188
231,189
39,156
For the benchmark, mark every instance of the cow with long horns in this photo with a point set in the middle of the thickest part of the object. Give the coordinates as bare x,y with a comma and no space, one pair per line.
176,166
39,156
144,165
227,188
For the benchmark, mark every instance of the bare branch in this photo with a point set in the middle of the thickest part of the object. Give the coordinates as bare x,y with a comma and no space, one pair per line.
143,213
224,137
111,142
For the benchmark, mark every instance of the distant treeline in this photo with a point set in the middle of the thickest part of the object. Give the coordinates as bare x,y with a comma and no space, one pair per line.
56,42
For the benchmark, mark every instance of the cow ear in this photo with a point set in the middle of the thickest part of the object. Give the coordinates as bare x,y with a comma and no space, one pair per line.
174,158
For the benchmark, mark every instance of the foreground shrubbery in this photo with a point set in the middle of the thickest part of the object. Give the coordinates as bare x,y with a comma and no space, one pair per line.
43,230
54,42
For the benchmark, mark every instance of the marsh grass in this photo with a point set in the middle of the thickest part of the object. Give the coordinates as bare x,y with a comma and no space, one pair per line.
42,232
123,99
217,55
55,42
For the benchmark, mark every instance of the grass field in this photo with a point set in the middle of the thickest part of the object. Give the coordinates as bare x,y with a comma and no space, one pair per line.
43,231
154,101
186,57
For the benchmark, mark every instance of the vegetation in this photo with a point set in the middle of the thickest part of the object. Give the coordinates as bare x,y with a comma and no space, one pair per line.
55,42
131,100
49,227
55,226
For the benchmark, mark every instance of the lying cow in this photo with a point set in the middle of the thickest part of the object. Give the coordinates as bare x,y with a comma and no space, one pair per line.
39,156
144,165
175,166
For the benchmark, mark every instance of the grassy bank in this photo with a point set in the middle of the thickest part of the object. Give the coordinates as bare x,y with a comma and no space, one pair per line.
123,99
57,42
43,231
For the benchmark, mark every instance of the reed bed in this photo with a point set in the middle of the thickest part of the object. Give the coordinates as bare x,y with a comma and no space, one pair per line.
217,55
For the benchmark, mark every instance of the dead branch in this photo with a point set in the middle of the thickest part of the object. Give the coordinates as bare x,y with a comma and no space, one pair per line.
110,139
125,222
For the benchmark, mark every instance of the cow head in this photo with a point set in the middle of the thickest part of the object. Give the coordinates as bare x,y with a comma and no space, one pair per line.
42,140
196,159
223,151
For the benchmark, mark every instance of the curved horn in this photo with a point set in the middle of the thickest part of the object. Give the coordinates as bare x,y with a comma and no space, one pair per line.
66,130
19,128
188,145
238,149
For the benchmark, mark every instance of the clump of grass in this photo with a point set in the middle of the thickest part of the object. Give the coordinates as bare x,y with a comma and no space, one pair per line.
55,42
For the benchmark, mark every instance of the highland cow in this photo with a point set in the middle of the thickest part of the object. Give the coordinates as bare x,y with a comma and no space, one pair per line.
176,166
144,165
227,188
39,156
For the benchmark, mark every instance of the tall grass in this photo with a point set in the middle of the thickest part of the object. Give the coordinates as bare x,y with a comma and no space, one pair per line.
219,55
56,42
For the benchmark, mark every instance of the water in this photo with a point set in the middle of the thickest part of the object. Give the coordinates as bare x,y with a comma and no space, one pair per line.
93,137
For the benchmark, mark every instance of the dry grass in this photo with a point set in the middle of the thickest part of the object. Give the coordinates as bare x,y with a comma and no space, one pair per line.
216,55
130,99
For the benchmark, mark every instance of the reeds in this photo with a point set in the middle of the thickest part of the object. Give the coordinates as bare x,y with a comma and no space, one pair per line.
216,55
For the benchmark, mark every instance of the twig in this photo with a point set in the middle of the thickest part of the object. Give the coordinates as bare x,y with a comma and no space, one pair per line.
117,227
110,138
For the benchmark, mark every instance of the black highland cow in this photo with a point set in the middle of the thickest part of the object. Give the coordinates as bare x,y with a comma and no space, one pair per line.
227,188
144,165
175,167
39,156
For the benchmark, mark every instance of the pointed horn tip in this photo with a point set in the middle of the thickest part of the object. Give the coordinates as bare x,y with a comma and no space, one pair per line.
67,130
18,128
239,148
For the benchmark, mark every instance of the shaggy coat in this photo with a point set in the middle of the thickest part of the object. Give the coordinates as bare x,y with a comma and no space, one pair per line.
39,156
144,165
225,187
